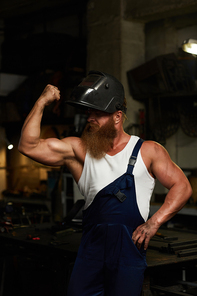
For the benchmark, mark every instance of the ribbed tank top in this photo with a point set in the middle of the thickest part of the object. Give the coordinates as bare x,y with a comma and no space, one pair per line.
97,174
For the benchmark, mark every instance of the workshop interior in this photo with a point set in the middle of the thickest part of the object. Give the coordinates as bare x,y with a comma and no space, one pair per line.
151,47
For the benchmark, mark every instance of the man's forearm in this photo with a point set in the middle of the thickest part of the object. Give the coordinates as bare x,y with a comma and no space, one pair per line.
30,134
174,202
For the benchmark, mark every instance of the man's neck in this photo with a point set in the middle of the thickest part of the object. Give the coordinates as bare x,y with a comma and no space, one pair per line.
119,143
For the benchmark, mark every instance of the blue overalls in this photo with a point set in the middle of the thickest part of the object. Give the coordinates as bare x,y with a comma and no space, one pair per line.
108,263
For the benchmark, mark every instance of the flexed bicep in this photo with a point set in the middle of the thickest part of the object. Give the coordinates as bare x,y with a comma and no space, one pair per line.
52,152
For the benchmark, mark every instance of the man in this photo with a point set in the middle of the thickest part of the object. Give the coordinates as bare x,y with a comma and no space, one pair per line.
116,174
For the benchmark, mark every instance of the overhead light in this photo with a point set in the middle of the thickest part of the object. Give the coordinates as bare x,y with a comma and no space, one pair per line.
190,46
9,145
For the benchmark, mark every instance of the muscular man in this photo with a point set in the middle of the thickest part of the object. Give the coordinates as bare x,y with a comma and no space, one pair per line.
116,174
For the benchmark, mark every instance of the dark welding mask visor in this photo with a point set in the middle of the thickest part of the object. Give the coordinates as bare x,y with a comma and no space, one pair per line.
99,91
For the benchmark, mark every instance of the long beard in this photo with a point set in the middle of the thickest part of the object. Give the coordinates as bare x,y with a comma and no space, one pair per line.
99,140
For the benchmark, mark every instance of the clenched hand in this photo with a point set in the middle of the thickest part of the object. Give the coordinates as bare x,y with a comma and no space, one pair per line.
144,233
50,94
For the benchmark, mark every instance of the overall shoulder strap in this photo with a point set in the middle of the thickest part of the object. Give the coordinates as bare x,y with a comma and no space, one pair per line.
120,195
132,159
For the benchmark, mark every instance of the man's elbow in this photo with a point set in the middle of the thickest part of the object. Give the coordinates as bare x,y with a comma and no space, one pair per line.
188,191
22,149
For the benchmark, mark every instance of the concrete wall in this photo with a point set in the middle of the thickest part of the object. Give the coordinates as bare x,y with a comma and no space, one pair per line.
132,55
104,36
114,45
161,38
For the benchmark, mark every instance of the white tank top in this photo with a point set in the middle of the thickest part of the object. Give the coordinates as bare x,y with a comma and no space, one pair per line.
97,174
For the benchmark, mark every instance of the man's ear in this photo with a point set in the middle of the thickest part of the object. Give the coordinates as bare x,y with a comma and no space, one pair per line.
117,116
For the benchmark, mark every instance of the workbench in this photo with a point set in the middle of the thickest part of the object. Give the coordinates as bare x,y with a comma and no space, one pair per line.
172,264
38,260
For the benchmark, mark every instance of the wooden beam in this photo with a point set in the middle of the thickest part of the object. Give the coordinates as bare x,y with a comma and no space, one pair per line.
151,10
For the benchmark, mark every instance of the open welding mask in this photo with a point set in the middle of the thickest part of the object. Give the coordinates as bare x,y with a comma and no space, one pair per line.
99,91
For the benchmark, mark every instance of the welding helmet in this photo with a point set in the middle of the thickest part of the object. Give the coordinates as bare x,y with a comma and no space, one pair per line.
99,91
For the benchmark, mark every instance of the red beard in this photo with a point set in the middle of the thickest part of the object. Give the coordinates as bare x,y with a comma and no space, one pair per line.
99,140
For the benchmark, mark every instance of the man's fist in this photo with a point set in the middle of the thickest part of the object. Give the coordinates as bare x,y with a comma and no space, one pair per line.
50,94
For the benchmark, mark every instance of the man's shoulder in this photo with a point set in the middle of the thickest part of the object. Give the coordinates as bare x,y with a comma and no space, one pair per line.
152,149
149,144
151,152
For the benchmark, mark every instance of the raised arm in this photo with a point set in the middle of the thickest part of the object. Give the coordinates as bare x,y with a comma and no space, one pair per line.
51,151
170,176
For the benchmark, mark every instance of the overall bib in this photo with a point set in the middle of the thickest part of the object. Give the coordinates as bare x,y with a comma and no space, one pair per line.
108,263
